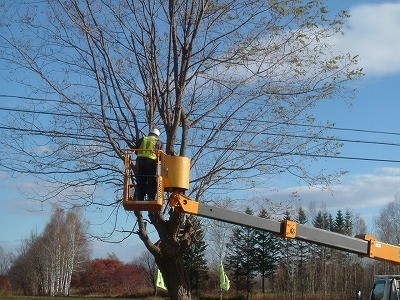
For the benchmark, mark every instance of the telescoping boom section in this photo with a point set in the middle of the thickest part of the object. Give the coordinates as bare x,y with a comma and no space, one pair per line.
173,177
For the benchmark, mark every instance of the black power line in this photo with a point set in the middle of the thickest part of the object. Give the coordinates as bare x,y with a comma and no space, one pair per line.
237,119
337,139
91,138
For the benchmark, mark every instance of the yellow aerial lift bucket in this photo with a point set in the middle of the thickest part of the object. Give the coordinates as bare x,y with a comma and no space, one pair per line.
173,174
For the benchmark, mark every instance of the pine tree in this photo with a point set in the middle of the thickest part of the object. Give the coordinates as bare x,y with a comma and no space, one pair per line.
194,258
322,220
330,223
268,252
339,223
233,258
241,256
289,263
318,221
348,223
343,224
303,254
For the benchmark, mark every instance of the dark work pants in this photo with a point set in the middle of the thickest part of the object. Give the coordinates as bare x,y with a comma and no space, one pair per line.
146,178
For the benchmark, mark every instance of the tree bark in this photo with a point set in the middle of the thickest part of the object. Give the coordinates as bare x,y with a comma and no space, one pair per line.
169,249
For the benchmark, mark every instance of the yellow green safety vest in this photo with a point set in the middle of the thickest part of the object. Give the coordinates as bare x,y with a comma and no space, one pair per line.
147,146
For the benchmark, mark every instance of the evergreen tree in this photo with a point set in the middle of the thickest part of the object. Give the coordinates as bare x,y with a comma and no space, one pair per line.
348,223
339,225
340,259
318,221
322,220
302,254
233,258
302,216
241,256
267,252
194,258
331,223
289,261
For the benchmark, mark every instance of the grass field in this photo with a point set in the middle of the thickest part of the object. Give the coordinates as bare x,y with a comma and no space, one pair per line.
56,298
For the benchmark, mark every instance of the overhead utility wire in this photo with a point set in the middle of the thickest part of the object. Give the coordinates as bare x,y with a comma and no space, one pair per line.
308,154
51,133
209,128
237,119
91,138
35,111
313,137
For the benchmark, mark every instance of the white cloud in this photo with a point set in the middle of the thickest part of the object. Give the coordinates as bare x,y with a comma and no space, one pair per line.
373,32
390,171
357,192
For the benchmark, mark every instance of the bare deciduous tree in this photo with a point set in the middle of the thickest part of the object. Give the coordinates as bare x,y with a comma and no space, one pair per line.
46,261
147,262
231,84
6,260
387,226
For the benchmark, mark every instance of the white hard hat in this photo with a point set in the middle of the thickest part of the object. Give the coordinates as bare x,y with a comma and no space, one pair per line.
155,131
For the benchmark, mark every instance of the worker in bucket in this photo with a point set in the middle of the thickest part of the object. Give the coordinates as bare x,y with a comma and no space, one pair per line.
147,165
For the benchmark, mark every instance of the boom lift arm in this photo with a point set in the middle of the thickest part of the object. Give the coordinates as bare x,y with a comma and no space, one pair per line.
364,245
173,177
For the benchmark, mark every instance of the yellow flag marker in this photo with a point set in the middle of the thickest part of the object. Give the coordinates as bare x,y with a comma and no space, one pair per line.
225,283
160,280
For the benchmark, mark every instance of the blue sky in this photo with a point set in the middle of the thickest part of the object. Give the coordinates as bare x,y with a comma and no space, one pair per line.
373,32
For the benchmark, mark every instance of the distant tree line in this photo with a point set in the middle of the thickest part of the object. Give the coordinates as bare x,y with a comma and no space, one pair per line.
46,262
109,276
260,262
57,261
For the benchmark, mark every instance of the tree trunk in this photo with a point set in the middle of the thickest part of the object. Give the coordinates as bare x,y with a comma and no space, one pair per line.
175,276
175,238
